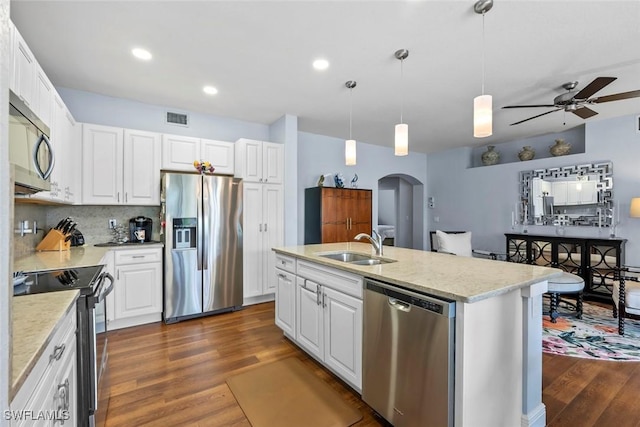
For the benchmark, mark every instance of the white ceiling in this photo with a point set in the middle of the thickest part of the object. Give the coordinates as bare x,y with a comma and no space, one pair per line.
258,54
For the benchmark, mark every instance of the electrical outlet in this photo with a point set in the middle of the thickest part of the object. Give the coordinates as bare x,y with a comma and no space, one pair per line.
112,223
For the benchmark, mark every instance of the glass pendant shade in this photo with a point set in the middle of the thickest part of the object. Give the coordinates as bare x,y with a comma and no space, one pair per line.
402,139
350,152
482,116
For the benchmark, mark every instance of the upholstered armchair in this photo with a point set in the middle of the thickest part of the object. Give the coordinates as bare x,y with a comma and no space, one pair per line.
457,243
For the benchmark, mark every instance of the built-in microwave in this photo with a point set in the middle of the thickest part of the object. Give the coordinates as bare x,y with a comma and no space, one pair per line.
30,150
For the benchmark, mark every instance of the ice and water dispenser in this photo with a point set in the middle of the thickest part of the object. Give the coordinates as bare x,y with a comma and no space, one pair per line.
184,233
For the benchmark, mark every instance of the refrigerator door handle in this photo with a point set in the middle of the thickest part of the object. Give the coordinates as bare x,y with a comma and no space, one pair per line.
206,221
199,231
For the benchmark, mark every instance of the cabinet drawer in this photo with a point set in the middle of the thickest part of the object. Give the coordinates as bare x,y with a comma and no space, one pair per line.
339,280
286,263
62,342
136,256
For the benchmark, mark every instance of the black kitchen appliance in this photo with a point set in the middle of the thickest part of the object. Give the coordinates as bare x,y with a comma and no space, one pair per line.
91,333
77,239
140,229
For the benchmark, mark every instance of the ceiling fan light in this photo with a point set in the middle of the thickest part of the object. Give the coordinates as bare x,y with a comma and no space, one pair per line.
402,139
350,152
482,116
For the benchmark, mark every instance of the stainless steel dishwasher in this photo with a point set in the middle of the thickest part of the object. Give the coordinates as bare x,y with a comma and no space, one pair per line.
408,356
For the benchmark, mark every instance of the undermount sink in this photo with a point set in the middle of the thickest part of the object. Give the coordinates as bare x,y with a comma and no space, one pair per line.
355,258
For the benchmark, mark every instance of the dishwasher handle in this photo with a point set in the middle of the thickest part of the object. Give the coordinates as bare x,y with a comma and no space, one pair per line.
399,305
403,299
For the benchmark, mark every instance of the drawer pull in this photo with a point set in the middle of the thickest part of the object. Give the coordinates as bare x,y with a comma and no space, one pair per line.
137,256
63,399
57,352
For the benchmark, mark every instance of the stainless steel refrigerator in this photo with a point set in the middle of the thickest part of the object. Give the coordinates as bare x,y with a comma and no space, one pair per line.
202,235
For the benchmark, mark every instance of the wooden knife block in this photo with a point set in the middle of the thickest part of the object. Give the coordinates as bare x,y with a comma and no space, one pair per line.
54,241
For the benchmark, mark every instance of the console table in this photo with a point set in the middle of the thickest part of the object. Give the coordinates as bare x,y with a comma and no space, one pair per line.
595,260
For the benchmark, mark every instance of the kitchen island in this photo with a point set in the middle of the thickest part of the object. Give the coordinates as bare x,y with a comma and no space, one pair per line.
498,323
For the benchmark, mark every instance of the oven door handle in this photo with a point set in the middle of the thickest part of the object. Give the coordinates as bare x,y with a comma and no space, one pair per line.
105,291
101,292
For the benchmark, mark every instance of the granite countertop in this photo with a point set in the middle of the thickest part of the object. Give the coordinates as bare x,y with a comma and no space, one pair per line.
452,277
35,320
80,256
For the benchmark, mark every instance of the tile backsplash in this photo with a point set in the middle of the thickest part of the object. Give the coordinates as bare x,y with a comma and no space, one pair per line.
93,222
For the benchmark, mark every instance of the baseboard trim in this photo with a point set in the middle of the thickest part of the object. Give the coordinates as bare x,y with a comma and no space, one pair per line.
535,418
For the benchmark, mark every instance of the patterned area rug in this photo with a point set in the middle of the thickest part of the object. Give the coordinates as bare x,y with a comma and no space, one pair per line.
593,337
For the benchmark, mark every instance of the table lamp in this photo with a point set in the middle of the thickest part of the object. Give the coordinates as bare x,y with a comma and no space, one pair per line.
634,209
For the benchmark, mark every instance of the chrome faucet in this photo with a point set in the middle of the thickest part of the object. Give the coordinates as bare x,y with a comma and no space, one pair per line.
376,240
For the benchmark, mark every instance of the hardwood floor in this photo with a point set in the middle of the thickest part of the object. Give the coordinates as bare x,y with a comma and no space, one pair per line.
175,375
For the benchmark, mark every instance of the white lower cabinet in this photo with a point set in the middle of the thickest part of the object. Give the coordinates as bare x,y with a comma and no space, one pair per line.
343,335
309,319
328,316
137,291
286,301
48,396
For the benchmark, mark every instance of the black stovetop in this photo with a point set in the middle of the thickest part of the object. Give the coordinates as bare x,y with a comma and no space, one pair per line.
37,282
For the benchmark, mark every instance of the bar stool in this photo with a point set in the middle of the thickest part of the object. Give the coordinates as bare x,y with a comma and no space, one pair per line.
567,283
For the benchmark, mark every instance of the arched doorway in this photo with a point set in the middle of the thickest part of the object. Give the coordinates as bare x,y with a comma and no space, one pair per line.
401,211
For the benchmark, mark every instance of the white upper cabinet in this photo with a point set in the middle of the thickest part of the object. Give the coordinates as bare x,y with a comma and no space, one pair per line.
141,183
220,154
102,151
43,97
24,70
120,166
179,153
259,161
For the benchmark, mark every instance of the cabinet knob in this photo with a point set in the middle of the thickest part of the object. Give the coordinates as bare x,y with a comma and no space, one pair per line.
57,352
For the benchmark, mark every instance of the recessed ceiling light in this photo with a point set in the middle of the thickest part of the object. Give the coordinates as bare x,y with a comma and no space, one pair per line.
141,54
210,90
320,64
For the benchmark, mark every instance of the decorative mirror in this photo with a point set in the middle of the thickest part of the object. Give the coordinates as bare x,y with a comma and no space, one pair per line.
568,195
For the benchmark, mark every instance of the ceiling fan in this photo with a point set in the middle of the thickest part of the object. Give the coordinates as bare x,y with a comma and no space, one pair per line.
576,102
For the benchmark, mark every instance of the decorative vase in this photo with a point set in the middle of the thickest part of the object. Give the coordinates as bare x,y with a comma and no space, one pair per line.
560,148
490,157
527,153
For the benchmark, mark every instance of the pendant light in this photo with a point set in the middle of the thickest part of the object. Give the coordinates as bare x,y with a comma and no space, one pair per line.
483,104
401,146
350,144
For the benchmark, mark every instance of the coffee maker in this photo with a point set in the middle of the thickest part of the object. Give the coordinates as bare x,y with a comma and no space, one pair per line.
140,229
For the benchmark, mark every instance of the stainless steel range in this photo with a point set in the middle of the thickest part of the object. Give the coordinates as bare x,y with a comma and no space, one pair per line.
91,336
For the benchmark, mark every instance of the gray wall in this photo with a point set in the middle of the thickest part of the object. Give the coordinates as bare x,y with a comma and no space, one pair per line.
285,131
387,207
319,154
481,199
90,107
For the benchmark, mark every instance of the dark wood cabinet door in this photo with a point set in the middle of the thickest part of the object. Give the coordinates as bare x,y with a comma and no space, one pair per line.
360,215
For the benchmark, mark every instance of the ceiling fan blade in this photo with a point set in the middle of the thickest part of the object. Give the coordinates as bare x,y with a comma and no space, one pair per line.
616,97
593,87
535,117
584,112
529,106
